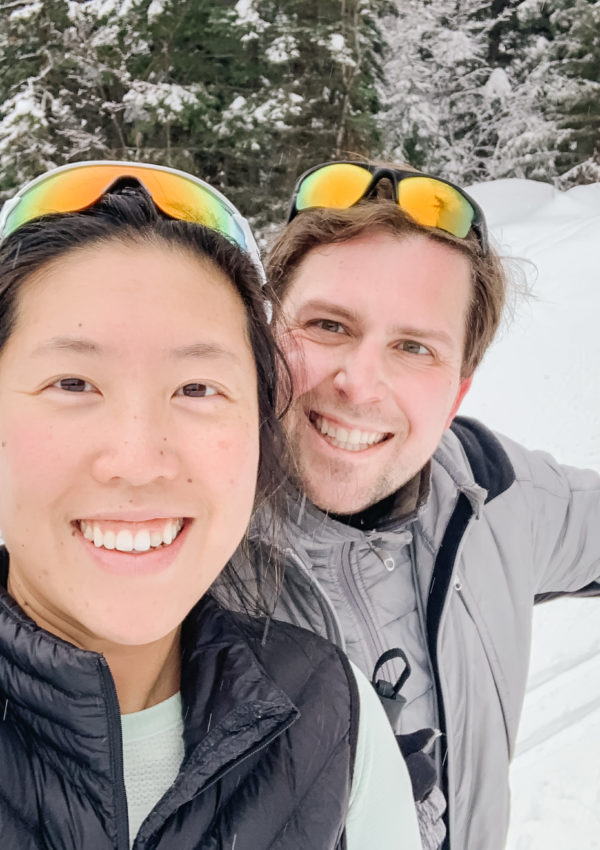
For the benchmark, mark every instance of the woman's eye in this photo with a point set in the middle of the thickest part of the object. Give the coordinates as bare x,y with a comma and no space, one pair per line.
412,347
74,385
196,390
330,326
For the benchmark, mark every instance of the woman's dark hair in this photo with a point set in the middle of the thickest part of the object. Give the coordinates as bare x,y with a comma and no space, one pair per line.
128,216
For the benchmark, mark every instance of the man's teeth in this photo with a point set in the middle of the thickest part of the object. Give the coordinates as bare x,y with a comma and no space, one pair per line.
125,540
353,441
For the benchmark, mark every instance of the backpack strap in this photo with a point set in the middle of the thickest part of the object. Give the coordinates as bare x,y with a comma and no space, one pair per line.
489,462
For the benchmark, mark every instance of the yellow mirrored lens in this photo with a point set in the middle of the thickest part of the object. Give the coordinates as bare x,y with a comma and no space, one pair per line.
337,186
435,204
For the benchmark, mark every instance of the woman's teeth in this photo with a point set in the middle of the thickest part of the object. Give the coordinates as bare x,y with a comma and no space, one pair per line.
125,540
353,440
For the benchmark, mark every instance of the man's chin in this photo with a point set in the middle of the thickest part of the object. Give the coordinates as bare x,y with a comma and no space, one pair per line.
339,500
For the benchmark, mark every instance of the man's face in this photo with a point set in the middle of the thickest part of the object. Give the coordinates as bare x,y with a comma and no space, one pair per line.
374,331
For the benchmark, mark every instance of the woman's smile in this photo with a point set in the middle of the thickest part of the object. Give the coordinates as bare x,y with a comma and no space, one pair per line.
135,549
129,536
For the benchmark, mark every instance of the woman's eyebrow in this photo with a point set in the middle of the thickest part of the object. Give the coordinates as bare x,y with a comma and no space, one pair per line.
202,350
81,345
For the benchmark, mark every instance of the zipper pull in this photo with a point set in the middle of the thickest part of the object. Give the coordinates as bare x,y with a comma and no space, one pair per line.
384,555
386,558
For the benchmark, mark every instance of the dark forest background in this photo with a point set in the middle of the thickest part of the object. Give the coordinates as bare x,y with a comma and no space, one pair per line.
248,94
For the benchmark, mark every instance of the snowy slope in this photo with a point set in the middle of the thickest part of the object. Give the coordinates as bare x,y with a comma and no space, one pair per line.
540,383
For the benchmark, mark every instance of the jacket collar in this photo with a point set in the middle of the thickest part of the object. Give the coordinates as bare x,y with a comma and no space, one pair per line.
65,697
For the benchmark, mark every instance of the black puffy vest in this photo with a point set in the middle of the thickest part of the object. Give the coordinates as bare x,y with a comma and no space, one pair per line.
269,741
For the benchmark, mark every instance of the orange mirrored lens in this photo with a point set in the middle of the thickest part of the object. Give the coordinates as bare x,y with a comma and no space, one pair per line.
76,189
337,186
435,204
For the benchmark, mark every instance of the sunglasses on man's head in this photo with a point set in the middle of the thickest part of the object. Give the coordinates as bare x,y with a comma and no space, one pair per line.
430,201
75,187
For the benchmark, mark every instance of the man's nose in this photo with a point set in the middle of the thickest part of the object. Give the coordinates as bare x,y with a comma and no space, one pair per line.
360,377
137,448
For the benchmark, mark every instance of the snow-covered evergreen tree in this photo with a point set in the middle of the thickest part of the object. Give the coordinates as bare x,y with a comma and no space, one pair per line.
310,94
478,91
243,94
577,51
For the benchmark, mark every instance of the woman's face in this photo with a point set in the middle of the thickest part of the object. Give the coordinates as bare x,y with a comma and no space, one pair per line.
128,421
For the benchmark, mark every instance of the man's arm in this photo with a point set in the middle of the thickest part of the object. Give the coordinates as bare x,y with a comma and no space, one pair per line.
563,506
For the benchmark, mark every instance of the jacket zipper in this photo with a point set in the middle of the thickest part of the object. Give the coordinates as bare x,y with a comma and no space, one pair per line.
116,743
224,770
353,592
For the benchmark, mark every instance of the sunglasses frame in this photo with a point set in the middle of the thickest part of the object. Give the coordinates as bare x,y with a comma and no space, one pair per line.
395,175
250,247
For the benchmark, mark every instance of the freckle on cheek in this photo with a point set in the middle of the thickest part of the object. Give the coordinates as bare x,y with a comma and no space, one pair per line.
189,481
3,444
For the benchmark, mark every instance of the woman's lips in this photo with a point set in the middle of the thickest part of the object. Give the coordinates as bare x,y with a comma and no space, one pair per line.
131,536
124,561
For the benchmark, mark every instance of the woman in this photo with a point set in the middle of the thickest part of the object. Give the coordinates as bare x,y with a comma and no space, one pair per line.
137,412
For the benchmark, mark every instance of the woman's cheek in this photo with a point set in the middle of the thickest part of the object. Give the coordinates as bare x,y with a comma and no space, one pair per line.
31,451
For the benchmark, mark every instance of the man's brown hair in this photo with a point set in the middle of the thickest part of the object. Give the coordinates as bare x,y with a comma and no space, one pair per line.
320,227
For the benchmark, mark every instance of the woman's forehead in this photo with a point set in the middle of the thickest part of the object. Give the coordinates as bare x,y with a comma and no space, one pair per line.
116,290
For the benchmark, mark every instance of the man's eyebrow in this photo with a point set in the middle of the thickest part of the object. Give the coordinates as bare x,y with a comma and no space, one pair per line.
422,333
330,307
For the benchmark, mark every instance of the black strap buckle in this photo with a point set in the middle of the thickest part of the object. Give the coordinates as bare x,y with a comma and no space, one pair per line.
389,693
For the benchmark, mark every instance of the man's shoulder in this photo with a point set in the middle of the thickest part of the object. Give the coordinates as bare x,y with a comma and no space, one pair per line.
487,456
497,462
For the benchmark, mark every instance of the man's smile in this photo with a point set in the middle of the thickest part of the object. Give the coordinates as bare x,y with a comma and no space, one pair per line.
349,438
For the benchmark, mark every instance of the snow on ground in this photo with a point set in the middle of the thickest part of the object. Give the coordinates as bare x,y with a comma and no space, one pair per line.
540,383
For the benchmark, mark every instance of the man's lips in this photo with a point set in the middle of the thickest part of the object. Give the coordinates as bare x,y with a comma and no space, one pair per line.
347,437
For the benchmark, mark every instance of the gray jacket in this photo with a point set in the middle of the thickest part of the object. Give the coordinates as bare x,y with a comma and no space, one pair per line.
500,526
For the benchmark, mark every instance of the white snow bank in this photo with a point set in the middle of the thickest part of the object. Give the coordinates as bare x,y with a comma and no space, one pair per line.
540,383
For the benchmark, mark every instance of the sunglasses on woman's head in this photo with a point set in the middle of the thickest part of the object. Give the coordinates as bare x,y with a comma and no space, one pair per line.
75,187
430,201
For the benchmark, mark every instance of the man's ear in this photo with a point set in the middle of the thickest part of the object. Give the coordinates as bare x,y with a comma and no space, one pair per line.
463,389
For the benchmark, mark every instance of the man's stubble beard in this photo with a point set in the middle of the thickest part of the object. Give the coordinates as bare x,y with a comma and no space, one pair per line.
339,477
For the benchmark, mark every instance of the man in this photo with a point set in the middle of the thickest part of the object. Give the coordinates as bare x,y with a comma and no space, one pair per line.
409,530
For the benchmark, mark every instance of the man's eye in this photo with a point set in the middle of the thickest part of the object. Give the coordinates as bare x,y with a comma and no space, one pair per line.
196,390
74,385
412,347
330,326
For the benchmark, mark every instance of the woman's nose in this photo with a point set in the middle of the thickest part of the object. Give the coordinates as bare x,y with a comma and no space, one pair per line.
138,449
